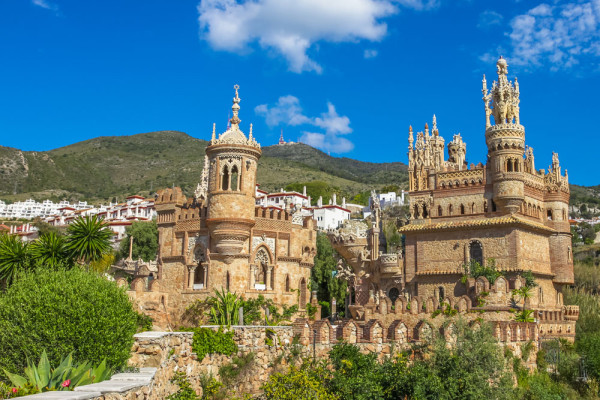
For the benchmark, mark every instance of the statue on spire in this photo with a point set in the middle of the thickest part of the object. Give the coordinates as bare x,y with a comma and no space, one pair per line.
235,121
503,99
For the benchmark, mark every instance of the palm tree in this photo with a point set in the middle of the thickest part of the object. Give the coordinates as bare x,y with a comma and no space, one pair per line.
14,256
88,239
51,251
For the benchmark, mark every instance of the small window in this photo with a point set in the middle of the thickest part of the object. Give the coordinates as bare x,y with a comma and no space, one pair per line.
450,209
549,215
234,178
225,180
462,209
439,211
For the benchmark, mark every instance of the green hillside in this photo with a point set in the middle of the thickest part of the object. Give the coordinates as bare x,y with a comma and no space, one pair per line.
106,167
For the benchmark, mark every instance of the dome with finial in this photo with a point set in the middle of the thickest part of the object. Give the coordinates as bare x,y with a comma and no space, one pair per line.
233,134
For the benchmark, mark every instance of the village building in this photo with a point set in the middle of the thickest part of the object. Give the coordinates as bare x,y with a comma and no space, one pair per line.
222,239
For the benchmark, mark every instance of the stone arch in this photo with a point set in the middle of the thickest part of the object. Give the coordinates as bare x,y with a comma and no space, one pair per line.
398,332
501,285
424,331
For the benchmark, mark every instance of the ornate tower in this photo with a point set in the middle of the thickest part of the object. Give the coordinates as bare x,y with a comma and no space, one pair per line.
505,139
233,160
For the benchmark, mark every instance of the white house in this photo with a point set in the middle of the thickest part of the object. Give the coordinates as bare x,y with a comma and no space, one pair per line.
385,200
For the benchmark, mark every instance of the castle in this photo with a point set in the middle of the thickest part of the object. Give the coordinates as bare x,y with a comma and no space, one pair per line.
220,239
504,213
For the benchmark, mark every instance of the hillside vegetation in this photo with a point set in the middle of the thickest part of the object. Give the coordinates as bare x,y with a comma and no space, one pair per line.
104,168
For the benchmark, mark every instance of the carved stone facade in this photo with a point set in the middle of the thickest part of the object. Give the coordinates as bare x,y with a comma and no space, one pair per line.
505,210
221,239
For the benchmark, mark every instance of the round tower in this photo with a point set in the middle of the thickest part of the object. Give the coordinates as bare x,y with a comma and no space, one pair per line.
233,160
505,139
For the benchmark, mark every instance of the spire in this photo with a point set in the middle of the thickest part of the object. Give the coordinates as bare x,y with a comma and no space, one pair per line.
202,188
281,141
250,134
502,101
235,121
410,137
214,134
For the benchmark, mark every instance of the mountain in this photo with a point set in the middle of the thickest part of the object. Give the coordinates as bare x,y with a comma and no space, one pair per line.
105,167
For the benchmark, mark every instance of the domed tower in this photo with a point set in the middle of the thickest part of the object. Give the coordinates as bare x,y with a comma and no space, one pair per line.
233,160
505,139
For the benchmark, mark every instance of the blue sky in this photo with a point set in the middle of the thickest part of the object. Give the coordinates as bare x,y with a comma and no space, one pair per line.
348,76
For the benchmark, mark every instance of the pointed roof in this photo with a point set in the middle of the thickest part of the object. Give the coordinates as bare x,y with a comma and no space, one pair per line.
233,134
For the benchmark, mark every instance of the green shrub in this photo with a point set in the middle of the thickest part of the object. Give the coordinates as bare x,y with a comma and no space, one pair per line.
304,383
185,391
206,341
65,312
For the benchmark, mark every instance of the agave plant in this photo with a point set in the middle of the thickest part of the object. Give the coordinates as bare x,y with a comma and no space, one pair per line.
50,250
43,378
14,256
88,239
224,308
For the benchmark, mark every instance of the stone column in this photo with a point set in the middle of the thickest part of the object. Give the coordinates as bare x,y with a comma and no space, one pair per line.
205,272
191,276
268,277
252,276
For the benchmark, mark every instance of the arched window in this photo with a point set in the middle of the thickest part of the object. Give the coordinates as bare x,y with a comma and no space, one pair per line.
442,294
549,215
493,206
509,165
450,209
476,252
462,209
439,211
517,166
425,213
472,208
234,178
225,180
227,280
393,294
287,284
262,261
564,213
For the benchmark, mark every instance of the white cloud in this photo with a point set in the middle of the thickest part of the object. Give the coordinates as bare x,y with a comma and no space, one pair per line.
287,111
489,18
370,53
291,28
556,35
45,4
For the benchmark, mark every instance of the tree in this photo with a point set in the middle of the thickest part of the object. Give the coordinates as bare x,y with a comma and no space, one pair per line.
50,250
324,271
89,239
145,241
304,383
14,257
63,311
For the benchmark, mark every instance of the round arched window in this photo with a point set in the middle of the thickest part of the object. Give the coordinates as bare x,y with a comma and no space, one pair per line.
393,294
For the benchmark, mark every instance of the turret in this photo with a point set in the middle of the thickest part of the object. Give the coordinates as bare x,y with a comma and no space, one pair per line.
505,139
233,160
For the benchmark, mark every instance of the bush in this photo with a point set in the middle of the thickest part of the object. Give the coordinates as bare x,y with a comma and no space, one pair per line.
304,383
206,341
63,312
